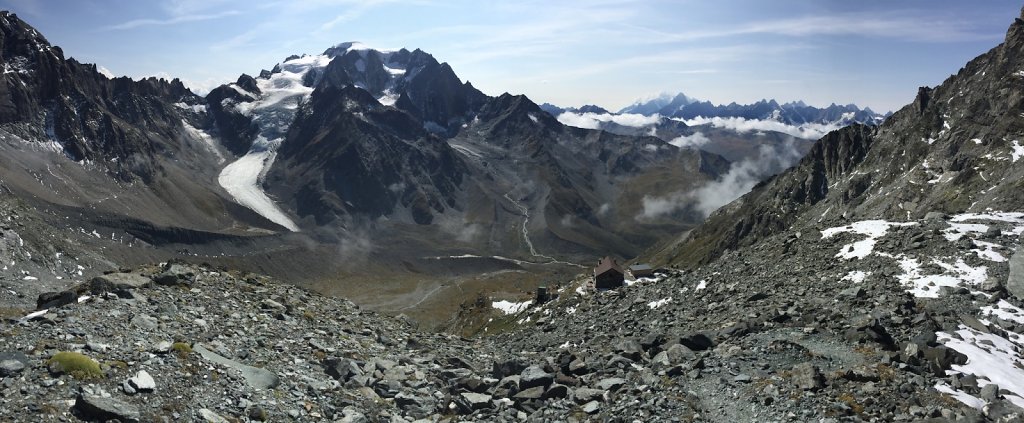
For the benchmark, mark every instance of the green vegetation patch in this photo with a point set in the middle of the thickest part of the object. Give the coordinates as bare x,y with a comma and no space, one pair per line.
75,364
182,349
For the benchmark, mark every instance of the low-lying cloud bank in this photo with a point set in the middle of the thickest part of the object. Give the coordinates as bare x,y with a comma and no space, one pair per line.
740,179
696,140
591,120
811,131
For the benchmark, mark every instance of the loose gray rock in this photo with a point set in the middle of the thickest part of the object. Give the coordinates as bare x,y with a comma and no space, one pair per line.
10,367
806,376
1015,280
254,376
99,408
584,395
209,416
611,383
535,376
533,393
474,401
117,281
145,322
990,393
142,382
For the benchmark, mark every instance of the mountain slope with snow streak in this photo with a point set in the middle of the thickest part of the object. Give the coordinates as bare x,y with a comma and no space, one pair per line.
279,97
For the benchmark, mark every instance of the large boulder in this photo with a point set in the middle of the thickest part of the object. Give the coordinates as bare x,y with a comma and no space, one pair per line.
1015,281
103,409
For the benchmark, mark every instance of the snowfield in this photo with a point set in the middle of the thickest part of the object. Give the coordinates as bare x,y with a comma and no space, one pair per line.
992,357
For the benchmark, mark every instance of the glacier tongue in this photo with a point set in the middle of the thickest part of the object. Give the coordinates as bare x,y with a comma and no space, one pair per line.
273,111
242,180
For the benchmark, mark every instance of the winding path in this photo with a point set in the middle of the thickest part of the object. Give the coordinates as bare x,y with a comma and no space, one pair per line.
526,235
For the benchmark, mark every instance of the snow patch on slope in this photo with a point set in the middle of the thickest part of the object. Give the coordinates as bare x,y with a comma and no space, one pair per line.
508,307
873,229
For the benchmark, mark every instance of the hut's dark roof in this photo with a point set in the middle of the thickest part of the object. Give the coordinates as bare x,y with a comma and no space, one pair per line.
606,264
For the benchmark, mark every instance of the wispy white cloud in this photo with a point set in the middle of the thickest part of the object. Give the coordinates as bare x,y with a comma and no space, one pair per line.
136,23
904,26
355,10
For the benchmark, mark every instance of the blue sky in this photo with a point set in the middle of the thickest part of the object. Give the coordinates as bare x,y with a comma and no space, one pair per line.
567,52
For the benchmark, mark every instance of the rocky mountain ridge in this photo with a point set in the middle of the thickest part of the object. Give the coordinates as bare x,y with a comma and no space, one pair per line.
792,113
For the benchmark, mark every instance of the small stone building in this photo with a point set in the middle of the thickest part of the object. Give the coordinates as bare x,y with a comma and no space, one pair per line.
608,274
641,270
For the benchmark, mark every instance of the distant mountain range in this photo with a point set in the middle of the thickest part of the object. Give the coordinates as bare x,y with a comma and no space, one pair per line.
681,106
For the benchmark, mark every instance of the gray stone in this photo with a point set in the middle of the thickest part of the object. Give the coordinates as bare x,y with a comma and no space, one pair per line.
990,392
142,382
661,360
162,347
99,408
254,376
806,376
556,391
272,305
351,415
741,378
145,322
1015,280
416,406
534,376
509,367
584,395
475,401
533,393
48,300
117,281
679,353
974,323
11,367
591,407
611,383
992,284
342,369
852,292
630,348
12,363
209,416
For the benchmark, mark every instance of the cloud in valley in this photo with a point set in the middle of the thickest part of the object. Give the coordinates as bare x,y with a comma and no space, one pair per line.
696,140
594,120
740,179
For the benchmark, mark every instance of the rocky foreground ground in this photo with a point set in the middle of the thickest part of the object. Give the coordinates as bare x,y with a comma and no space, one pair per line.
812,326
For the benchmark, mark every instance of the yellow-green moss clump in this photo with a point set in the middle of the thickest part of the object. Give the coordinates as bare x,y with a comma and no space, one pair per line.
183,349
75,364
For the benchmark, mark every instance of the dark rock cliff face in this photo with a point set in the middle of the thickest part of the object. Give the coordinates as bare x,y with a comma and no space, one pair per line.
348,155
952,150
428,90
236,131
122,123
